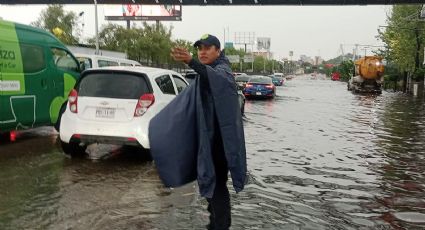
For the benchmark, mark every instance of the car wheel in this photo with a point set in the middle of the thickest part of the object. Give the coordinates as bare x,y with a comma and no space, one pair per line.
147,154
58,122
5,137
142,153
73,149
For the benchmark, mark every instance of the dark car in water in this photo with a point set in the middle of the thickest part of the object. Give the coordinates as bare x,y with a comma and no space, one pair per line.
190,76
260,86
241,81
277,81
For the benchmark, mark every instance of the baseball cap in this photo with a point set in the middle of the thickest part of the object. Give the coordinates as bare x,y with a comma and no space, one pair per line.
208,40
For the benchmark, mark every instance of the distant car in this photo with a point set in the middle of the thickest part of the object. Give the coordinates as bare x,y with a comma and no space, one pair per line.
281,75
260,86
241,81
115,105
336,76
238,74
289,77
277,81
241,99
190,76
97,61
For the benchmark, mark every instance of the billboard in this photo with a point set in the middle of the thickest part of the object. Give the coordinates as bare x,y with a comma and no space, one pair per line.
143,12
244,38
263,43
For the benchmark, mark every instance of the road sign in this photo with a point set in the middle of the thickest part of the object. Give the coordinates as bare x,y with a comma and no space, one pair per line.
248,58
233,58
228,45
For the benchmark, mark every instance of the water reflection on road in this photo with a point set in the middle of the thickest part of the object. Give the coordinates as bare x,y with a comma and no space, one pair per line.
319,157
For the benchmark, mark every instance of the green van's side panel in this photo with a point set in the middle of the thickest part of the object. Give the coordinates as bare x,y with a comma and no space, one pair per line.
2,109
12,82
40,88
11,60
67,84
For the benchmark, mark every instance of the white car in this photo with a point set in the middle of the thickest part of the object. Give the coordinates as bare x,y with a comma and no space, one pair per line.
97,61
115,105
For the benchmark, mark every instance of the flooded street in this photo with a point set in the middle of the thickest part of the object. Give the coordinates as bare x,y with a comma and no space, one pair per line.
319,157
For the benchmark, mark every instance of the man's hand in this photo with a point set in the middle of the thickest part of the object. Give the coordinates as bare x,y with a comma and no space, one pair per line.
181,54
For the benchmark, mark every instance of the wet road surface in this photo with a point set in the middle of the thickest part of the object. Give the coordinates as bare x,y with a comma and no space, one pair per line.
319,157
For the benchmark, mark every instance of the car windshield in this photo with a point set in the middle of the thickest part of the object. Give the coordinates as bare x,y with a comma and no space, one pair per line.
113,85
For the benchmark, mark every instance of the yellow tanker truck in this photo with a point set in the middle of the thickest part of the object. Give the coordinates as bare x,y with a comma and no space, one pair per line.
368,76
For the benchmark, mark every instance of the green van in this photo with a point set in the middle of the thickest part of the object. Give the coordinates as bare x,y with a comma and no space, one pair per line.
37,72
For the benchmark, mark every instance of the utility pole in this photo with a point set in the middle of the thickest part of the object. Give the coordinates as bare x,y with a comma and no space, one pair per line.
157,25
355,52
224,39
96,27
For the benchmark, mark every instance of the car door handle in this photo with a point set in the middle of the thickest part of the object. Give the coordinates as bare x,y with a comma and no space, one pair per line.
44,83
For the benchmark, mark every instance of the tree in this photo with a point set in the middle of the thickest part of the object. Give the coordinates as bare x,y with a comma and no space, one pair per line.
186,44
340,58
346,69
403,38
62,24
112,36
159,38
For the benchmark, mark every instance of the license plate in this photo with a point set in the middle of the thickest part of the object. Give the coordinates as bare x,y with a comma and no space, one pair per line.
105,112
258,93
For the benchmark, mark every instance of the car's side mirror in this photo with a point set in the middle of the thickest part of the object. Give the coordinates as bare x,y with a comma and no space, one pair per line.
82,66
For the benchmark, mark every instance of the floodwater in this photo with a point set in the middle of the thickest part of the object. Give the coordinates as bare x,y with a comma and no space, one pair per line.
319,157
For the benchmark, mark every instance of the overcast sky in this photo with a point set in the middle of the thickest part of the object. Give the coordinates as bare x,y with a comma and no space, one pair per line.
308,30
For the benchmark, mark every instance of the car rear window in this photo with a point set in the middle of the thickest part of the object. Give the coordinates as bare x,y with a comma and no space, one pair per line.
262,80
242,78
113,85
191,75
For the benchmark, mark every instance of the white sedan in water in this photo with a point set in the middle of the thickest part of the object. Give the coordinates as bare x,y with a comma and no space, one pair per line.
115,105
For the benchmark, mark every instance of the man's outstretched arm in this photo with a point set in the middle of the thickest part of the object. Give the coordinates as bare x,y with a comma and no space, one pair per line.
181,54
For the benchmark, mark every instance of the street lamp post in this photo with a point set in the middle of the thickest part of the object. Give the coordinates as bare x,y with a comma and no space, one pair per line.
96,29
78,21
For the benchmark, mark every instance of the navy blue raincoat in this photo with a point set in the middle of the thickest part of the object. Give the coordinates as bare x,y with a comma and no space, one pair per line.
181,135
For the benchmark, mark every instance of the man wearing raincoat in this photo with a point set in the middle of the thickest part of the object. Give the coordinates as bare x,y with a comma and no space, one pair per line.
204,124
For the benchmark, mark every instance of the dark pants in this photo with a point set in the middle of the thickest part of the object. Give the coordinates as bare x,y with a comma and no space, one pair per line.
219,204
